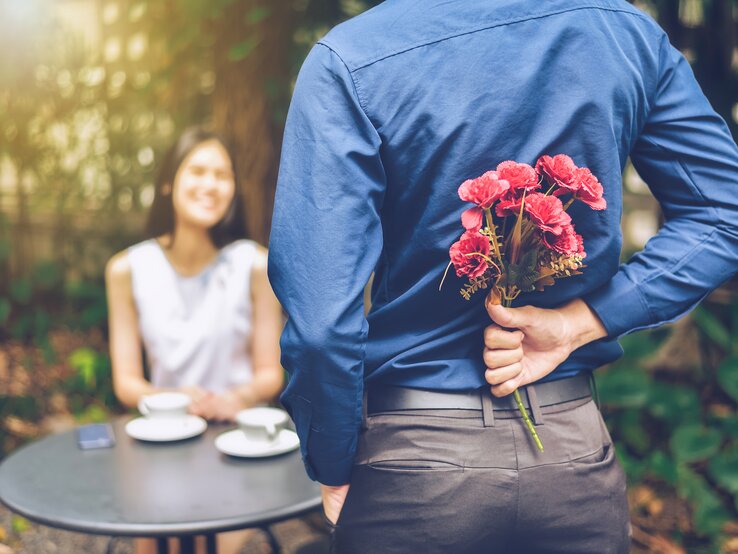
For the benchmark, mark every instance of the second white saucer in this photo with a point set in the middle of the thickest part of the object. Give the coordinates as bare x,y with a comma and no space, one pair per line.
235,443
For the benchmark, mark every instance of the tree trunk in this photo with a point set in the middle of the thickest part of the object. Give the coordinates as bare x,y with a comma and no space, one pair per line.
251,69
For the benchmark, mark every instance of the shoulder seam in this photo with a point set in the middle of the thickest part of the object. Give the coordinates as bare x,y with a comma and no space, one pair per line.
511,21
353,81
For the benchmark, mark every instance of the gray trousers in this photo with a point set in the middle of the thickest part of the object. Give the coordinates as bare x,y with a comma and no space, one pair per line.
473,481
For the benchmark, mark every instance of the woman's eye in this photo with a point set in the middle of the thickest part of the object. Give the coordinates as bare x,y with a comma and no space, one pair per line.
197,171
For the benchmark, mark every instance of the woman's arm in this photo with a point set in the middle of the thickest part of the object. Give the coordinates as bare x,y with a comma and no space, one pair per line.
125,340
268,377
267,327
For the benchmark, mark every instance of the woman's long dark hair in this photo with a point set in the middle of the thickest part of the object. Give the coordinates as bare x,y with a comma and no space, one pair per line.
161,219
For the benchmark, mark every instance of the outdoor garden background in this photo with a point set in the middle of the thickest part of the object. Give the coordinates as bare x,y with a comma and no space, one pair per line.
93,91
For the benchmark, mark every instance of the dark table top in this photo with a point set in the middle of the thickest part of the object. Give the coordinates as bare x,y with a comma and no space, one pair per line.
152,489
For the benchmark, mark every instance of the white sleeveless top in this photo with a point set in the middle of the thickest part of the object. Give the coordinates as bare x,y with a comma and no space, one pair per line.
195,330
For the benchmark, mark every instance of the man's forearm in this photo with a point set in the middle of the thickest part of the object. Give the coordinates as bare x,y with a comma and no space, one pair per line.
585,325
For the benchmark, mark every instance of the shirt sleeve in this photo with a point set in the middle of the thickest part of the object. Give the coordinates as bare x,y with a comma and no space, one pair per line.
688,158
326,238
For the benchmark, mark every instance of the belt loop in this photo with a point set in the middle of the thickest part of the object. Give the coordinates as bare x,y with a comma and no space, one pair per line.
488,412
535,408
364,395
593,389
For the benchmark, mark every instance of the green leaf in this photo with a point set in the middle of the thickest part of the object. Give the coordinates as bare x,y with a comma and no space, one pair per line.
673,403
83,360
94,414
694,442
22,328
627,388
47,275
709,513
633,467
21,291
529,260
727,376
41,324
94,316
634,432
729,425
638,345
4,250
4,311
241,50
712,327
19,524
257,15
724,469
663,466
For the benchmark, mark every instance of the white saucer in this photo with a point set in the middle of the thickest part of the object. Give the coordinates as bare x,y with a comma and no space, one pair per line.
235,443
166,429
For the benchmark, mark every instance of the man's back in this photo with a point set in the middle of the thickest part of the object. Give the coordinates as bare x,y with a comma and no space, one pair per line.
394,109
453,89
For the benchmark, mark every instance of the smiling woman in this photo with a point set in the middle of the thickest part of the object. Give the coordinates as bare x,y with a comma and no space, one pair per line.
196,296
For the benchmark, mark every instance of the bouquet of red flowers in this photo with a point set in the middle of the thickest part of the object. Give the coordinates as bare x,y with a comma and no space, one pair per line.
518,238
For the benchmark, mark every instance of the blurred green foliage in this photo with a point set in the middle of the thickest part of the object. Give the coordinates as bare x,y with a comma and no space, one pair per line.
681,428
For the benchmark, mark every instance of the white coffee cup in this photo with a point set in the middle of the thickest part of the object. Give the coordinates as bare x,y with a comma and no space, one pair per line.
164,405
262,424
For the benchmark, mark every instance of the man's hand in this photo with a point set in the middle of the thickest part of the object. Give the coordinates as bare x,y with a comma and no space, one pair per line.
333,499
525,344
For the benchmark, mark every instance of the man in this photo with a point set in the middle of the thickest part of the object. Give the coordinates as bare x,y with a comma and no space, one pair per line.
405,417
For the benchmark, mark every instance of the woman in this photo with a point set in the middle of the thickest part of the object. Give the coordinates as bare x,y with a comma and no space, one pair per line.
196,296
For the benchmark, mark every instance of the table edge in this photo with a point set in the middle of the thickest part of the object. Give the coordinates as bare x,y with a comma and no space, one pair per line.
170,529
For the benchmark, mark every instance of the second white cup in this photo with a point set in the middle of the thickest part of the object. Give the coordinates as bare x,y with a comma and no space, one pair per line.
262,424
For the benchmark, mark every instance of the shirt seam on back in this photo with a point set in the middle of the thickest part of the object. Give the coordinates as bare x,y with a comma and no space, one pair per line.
511,21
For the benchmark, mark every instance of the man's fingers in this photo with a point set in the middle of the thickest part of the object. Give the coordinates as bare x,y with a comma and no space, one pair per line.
501,374
500,358
506,388
496,337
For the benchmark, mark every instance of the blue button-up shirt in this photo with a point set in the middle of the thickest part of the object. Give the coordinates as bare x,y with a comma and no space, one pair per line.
395,108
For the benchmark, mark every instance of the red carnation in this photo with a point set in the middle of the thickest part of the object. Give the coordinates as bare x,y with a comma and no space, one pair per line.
590,189
483,191
520,176
568,242
509,206
469,253
547,212
559,170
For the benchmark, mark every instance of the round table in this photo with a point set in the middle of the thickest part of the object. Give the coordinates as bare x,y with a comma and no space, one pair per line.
145,489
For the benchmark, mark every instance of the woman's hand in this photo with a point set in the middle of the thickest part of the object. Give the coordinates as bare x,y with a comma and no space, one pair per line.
215,407
201,400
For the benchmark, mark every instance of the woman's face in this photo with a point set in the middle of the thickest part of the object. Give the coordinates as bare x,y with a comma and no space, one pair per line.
204,186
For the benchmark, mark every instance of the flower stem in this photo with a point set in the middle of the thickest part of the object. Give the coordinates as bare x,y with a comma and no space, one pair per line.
495,244
521,407
569,203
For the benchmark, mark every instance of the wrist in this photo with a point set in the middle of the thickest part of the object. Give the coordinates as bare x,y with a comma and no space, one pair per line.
584,324
329,488
246,396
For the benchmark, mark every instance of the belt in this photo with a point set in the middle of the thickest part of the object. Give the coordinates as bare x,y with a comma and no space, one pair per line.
390,398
